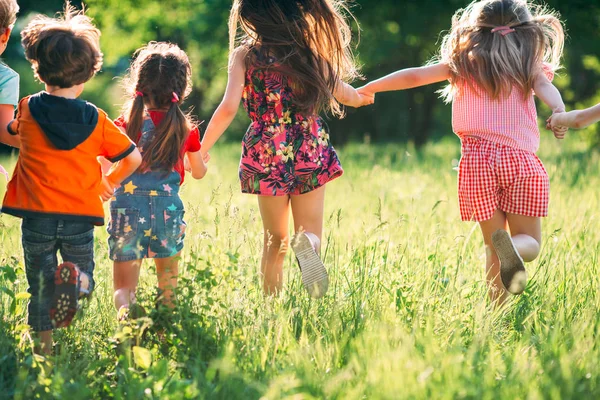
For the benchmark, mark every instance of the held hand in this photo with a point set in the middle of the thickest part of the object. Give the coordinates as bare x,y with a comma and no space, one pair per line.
206,157
555,126
560,132
366,100
366,91
107,190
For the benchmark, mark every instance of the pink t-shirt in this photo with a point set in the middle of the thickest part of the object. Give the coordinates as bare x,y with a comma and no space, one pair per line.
510,121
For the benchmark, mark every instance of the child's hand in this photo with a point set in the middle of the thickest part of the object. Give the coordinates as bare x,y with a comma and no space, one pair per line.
107,190
556,123
365,99
366,91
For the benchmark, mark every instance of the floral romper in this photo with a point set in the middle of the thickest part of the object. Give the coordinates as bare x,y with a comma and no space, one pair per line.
146,214
284,152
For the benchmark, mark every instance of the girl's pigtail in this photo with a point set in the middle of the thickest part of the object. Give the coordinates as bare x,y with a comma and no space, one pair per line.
135,117
173,130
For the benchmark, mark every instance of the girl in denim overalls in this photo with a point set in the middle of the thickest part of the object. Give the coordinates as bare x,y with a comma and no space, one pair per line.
146,212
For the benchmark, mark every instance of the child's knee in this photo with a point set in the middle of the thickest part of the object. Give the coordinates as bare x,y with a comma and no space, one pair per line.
533,251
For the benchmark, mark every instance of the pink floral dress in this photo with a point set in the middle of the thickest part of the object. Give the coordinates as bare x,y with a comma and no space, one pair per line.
284,152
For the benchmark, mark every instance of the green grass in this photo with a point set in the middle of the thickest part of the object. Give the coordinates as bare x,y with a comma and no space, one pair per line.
406,315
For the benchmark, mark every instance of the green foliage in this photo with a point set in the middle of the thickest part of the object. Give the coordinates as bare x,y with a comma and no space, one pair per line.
406,316
393,35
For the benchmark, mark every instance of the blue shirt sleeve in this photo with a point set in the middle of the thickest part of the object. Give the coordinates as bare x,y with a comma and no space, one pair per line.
9,86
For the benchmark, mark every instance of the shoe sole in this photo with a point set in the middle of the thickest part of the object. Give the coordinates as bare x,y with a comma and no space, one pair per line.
512,267
314,273
66,295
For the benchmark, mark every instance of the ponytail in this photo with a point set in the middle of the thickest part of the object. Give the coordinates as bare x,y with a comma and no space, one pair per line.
135,118
164,151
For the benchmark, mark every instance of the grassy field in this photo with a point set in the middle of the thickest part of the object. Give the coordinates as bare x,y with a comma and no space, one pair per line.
406,315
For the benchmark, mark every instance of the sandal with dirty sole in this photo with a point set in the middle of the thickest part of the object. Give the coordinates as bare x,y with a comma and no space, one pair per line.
314,273
512,268
66,295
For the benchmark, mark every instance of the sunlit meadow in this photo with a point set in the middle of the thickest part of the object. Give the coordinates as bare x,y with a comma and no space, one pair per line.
406,315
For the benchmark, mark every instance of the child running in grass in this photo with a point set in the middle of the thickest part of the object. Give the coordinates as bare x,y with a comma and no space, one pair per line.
57,186
9,79
290,62
146,214
497,54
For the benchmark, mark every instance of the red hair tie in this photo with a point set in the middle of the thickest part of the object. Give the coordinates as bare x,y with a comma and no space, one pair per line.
139,94
503,30
175,98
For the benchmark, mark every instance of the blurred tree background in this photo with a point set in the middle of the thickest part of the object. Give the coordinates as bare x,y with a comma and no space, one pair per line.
393,34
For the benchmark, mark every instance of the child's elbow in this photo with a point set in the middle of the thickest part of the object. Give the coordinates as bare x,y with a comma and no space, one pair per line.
199,174
135,158
229,108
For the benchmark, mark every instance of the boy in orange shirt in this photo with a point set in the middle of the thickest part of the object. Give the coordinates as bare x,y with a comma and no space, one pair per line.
58,186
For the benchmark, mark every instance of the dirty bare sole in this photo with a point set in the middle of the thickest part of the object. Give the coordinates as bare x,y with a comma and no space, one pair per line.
314,274
512,268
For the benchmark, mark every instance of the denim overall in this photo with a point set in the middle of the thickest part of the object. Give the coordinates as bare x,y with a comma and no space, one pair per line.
146,214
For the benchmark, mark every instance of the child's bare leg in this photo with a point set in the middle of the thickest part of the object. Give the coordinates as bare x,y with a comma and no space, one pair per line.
125,277
307,210
275,213
308,219
45,343
526,234
84,284
496,291
167,270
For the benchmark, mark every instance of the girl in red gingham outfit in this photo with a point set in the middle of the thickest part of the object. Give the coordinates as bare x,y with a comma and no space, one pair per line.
498,54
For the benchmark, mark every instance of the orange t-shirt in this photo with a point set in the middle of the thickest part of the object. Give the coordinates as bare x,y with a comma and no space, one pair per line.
57,174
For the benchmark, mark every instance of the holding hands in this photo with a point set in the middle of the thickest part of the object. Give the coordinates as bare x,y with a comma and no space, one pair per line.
561,121
556,126
367,92
365,99
351,97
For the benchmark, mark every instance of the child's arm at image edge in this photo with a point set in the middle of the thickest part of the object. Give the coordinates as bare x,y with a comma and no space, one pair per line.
7,115
409,78
577,119
227,110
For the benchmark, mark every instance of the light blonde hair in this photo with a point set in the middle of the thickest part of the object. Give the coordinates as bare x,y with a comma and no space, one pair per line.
501,60
8,13
310,39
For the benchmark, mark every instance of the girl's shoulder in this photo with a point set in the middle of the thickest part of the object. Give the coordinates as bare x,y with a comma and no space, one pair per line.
549,70
241,54
254,56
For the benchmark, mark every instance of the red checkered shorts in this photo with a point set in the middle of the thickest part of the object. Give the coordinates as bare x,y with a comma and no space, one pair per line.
492,176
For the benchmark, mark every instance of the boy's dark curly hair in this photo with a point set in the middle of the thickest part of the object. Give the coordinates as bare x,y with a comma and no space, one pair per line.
63,51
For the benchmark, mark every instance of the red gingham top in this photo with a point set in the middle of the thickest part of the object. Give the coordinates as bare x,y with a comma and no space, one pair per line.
511,121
